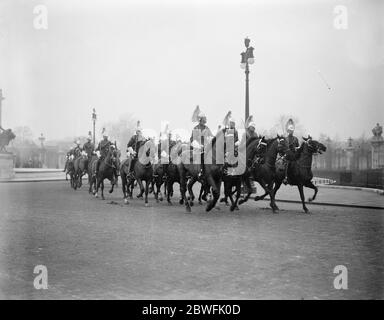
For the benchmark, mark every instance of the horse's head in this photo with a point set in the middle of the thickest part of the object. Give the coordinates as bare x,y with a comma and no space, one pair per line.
282,146
261,147
314,146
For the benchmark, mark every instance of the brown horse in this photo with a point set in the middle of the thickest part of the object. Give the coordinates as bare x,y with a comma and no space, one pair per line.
263,170
142,170
300,170
80,165
107,170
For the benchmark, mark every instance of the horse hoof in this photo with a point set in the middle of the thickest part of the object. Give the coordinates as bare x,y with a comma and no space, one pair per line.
241,201
181,201
96,195
237,208
232,208
126,201
188,209
161,199
310,199
306,211
146,205
200,203
222,200
170,203
191,203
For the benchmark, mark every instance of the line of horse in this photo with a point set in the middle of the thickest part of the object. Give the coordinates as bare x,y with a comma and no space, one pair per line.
265,163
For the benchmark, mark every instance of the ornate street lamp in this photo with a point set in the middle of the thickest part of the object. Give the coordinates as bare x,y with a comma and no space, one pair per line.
94,117
247,58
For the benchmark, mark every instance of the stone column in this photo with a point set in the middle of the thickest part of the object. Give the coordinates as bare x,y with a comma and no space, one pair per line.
377,143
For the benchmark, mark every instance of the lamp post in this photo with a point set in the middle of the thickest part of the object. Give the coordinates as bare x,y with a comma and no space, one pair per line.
247,59
94,117
42,151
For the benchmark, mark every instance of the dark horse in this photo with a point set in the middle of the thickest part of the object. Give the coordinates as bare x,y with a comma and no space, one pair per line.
142,171
92,173
213,170
299,169
107,170
81,168
263,169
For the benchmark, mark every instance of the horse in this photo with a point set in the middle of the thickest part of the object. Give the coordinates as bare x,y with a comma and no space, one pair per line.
142,170
81,168
263,171
299,169
107,170
92,173
188,171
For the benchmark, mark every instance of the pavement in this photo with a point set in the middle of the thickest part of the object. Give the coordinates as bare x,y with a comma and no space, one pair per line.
328,194
95,249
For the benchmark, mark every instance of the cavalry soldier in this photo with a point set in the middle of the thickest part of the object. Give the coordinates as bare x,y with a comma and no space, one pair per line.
73,153
133,147
292,144
77,150
250,129
88,147
231,132
103,148
202,131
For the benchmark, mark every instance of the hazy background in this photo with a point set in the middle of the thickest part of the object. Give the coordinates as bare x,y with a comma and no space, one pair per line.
157,60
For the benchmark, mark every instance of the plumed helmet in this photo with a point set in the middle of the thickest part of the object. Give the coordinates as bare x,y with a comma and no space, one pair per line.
104,133
228,119
290,126
249,122
138,127
198,114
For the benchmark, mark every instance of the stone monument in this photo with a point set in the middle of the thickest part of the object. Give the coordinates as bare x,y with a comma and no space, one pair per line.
6,158
377,142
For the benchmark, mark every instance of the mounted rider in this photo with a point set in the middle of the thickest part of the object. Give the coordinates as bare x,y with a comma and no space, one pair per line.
103,148
250,129
231,134
292,145
73,153
202,132
133,147
89,147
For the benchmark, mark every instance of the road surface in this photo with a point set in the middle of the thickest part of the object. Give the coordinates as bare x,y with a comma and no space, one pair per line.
96,249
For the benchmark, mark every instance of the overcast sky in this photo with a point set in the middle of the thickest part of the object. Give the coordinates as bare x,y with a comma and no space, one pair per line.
157,61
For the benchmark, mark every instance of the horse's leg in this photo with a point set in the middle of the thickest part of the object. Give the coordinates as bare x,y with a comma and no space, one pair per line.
113,182
247,183
169,184
183,190
215,192
301,190
238,194
309,184
102,189
147,184
124,186
190,190
140,195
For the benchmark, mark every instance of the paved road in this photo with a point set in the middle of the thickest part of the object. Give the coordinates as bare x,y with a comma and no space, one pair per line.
104,249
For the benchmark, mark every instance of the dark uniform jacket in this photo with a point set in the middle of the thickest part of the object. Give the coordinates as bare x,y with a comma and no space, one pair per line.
77,151
292,144
103,147
88,147
205,133
135,144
